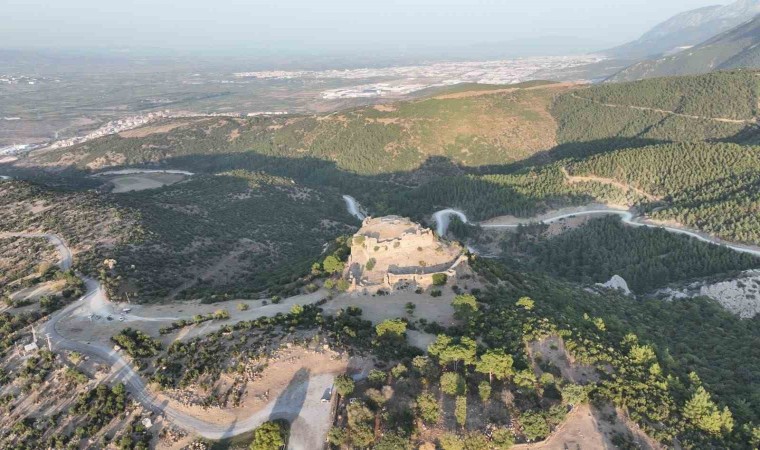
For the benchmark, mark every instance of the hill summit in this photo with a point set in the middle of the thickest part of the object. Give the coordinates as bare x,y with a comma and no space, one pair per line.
395,253
738,48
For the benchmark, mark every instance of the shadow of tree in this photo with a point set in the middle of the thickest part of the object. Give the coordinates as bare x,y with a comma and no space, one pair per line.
289,404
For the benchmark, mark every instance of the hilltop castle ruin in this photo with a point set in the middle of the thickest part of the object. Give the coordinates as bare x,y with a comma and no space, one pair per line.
393,252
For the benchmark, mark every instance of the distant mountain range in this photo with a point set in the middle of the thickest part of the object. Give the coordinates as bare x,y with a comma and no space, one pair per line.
735,48
687,29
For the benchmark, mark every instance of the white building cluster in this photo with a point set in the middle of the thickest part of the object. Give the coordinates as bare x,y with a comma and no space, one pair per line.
128,123
23,79
14,149
403,80
112,127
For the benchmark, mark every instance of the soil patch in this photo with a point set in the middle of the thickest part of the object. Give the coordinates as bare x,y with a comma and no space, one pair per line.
378,308
144,181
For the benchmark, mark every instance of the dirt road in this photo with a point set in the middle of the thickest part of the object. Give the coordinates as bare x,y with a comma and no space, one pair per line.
663,111
572,179
300,403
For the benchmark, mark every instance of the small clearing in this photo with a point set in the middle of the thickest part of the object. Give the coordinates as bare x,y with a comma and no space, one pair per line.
291,387
378,308
552,351
144,181
33,293
589,428
153,129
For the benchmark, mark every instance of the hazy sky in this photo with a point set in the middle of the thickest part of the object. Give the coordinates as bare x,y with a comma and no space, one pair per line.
324,25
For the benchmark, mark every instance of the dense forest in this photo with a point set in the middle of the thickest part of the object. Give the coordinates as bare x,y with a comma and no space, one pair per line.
730,95
720,349
646,258
711,187
587,124
232,234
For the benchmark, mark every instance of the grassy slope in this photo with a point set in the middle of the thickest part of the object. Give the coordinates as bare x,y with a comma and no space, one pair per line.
471,130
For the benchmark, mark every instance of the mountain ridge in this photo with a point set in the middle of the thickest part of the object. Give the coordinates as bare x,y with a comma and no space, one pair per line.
738,48
687,29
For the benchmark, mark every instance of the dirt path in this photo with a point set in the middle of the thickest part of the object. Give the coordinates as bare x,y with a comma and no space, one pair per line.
573,179
300,402
663,111
586,428
476,93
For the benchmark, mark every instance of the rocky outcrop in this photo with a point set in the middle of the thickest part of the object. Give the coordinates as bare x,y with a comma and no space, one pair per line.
740,295
617,282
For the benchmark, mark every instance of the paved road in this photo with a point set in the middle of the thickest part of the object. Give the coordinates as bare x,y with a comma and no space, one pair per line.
65,260
354,208
307,429
627,217
442,219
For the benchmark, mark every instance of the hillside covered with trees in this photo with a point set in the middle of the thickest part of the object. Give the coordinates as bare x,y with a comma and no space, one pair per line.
465,147
472,128
646,258
710,187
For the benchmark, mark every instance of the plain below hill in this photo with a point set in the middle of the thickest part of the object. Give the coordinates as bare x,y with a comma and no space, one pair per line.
737,48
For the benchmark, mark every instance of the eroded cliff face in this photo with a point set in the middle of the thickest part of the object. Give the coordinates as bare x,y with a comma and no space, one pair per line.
394,252
740,295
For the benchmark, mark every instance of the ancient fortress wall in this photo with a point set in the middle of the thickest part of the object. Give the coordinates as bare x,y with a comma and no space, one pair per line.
391,251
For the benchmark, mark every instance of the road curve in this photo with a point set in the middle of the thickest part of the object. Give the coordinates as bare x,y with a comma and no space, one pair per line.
122,371
354,208
65,260
138,171
442,219
626,216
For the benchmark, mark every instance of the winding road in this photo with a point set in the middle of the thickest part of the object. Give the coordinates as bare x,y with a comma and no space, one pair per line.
627,218
354,208
666,112
442,220
310,389
304,433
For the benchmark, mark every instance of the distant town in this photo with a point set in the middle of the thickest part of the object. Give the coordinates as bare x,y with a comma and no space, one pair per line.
400,81
23,79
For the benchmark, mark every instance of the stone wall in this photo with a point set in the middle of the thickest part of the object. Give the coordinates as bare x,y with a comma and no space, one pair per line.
399,252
